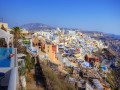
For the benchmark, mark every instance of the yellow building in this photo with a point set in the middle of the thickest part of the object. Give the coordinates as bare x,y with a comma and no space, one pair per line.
77,55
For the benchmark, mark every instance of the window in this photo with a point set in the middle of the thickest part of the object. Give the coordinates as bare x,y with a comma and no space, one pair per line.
48,50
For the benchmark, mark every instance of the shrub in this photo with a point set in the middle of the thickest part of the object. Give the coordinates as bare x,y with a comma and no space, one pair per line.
53,82
28,62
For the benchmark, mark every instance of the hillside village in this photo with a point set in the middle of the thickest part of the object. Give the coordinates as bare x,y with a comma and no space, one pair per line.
50,58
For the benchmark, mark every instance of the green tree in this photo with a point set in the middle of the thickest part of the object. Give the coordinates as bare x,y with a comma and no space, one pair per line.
17,32
28,65
17,35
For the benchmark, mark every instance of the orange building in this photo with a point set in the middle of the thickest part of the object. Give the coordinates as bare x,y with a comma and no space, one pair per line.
51,51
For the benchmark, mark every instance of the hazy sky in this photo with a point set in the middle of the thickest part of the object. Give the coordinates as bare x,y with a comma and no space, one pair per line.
94,15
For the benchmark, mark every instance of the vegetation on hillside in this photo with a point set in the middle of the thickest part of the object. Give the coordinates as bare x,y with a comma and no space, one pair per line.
53,81
110,79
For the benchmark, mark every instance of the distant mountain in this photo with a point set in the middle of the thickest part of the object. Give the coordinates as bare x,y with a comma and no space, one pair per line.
41,26
114,36
36,26
104,34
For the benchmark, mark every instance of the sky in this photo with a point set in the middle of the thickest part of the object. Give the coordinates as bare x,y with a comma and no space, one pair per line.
91,15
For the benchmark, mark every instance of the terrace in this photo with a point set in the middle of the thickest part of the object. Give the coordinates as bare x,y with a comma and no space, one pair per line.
8,68
8,63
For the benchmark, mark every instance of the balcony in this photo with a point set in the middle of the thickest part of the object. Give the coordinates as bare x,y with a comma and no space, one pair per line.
8,69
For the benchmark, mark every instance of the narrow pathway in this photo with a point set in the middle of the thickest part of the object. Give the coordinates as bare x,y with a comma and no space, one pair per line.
39,76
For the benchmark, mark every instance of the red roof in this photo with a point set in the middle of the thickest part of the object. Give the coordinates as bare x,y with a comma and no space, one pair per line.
94,59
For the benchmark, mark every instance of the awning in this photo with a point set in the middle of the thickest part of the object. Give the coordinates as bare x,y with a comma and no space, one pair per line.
6,35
